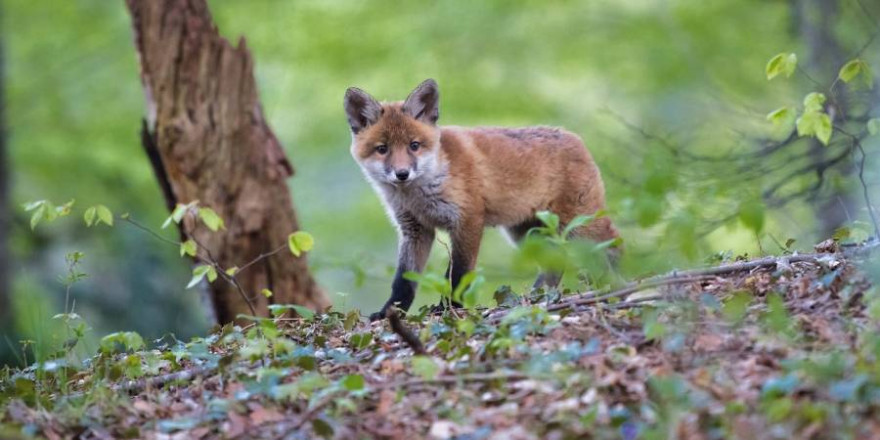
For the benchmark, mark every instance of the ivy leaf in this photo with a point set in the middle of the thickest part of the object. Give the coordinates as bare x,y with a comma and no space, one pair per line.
211,219
89,216
188,248
361,341
873,126
128,340
780,115
783,63
353,382
736,307
299,242
425,367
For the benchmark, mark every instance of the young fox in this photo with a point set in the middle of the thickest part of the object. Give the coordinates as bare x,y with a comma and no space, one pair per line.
465,179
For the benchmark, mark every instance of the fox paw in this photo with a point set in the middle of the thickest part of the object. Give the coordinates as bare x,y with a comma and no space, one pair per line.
378,316
439,309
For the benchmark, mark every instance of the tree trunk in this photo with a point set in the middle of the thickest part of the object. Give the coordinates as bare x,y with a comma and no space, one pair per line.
207,140
5,208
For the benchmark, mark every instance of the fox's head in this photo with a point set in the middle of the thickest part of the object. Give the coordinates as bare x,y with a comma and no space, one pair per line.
399,142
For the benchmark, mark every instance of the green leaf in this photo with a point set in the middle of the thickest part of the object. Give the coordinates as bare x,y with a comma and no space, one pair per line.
304,312
232,271
212,274
322,428
65,208
38,215
873,126
735,308
776,318
176,215
780,115
266,292
211,219
104,215
783,63
550,220
814,101
129,340
855,68
299,242
579,221
353,382
425,367
89,216
45,210
824,129
751,214
361,341
30,206
817,124
199,273
652,327
188,248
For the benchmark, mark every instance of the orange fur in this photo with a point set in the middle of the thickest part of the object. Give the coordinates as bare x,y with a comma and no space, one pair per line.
465,179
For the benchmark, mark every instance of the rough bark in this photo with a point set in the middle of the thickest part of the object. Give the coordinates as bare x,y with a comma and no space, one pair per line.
207,139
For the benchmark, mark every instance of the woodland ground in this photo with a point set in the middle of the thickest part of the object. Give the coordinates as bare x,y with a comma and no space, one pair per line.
779,347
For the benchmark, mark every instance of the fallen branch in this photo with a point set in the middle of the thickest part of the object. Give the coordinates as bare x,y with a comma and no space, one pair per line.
690,276
404,332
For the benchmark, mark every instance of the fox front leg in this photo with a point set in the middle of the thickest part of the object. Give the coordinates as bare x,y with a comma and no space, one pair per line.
465,248
415,246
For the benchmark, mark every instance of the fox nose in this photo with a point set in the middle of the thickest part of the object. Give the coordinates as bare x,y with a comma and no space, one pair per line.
401,175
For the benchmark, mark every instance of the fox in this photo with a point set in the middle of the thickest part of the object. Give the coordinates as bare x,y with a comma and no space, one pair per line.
463,180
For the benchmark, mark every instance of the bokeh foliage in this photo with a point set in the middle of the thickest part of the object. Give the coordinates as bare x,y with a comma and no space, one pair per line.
639,80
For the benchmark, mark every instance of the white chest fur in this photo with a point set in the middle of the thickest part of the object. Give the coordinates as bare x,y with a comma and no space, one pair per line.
425,200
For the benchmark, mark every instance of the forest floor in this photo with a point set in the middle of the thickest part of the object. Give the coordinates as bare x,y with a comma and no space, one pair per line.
779,347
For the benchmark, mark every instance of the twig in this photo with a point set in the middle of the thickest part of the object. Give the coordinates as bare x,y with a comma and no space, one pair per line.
130,221
405,333
229,278
868,203
262,257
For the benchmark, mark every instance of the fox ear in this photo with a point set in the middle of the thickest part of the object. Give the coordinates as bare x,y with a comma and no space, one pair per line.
362,110
424,102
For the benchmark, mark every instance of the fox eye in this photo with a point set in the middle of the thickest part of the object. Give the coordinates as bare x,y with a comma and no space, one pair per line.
382,149
414,146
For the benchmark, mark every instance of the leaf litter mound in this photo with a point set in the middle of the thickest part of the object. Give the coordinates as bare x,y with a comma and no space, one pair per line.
779,347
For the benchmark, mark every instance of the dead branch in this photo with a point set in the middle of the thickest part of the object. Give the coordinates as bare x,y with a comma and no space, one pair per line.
404,332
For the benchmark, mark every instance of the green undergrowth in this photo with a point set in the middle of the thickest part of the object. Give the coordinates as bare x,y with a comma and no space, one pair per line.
785,351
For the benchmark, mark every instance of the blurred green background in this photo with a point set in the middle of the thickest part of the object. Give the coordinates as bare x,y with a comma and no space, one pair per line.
670,96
